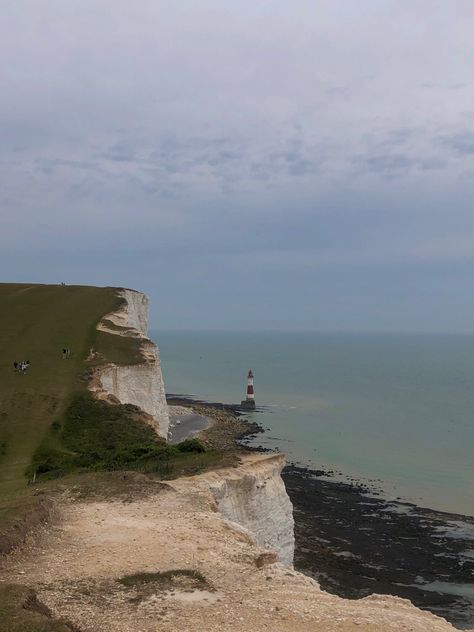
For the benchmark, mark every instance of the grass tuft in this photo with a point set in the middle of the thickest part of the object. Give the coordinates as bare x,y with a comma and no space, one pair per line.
164,578
109,347
145,585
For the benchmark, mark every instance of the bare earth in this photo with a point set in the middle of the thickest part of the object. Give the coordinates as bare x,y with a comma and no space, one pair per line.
77,562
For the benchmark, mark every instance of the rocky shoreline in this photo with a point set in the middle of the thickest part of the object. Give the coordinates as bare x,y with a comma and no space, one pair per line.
356,544
228,427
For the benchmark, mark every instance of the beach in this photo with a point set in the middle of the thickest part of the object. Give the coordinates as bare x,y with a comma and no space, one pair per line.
185,424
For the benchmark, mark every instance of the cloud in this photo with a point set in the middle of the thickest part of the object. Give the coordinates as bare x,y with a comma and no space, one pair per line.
461,143
293,135
387,163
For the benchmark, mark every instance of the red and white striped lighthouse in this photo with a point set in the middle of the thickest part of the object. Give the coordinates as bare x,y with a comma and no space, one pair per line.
250,391
249,402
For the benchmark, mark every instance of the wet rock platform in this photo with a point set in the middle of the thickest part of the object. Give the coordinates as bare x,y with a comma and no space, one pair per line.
356,544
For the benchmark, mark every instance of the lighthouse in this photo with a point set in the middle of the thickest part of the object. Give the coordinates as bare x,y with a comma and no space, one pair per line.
249,402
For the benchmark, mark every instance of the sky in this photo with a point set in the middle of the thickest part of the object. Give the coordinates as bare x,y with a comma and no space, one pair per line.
251,164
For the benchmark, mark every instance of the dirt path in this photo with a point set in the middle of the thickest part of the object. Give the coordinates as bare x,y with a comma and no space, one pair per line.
77,566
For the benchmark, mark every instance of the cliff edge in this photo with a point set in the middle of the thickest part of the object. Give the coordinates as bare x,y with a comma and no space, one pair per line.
255,498
142,383
167,559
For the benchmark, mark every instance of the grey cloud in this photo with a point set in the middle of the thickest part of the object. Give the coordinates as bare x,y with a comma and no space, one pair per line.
400,136
260,128
120,153
388,165
461,143
433,164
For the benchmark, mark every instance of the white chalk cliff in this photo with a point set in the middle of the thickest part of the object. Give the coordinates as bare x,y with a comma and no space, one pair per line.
138,384
254,497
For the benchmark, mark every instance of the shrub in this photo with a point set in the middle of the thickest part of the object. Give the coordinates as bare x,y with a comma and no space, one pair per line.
95,435
191,445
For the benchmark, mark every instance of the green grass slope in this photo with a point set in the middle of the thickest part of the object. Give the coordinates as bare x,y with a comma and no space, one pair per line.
36,322
50,425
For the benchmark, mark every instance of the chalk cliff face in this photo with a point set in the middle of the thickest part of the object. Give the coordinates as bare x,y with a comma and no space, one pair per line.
254,496
138,384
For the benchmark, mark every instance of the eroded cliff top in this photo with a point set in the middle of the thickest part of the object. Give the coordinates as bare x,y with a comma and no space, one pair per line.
167,560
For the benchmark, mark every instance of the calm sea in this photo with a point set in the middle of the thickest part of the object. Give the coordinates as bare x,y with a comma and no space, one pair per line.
394,409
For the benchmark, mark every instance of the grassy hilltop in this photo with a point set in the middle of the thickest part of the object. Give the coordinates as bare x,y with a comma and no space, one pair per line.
36,322
50,425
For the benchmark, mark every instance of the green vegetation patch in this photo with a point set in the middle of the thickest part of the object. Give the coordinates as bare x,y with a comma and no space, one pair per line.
36,323
166,579
21,611
144,585
117,349
96,435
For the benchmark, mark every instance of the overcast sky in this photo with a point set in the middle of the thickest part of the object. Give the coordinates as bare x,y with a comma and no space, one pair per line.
249,164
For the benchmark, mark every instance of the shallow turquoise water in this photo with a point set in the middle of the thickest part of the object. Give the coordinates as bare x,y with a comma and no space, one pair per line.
395,408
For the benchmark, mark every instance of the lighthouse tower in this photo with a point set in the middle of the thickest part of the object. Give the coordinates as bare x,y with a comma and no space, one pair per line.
249,402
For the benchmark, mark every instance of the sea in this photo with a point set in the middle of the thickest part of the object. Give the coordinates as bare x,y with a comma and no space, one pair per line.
395,411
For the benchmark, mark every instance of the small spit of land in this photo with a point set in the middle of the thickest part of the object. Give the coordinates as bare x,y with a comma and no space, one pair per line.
219,426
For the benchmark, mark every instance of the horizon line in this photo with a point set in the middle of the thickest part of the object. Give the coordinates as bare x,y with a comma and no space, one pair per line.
318,331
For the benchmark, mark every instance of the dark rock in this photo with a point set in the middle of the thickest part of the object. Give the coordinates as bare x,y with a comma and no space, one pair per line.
355,545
